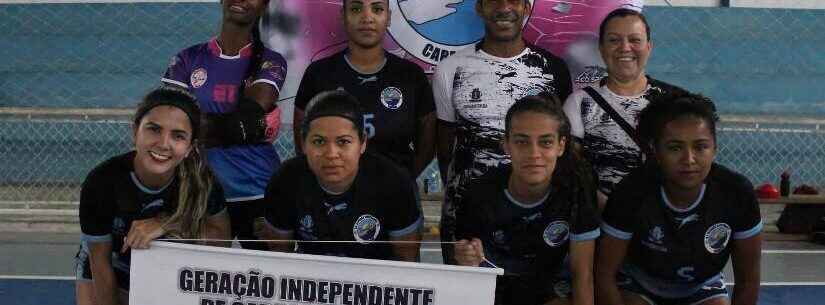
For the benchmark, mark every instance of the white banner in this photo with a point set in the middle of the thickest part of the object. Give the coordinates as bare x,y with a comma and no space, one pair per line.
182,274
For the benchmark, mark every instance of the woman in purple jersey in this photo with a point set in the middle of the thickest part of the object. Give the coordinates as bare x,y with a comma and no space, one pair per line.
237,82
162,188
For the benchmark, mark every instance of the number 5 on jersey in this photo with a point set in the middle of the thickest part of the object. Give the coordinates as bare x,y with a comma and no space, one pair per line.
369,128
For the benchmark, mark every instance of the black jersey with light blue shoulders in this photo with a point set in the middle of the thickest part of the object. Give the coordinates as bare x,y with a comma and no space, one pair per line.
528,240
379,206
393,99
674,252
111,198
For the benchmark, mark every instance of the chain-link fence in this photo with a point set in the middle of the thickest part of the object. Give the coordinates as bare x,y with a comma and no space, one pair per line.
63,57
46,160
762,151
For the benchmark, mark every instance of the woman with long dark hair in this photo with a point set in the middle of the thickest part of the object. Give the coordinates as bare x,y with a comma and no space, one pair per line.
237,81
527,217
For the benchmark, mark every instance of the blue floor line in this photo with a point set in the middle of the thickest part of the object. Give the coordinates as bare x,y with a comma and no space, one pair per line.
61,292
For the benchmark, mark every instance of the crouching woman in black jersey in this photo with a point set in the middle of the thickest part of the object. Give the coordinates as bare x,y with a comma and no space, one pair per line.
162,188
529,216
672,224
336,192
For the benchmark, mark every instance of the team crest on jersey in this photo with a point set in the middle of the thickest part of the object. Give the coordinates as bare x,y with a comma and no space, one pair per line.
556,233
717,237
392,98
366,228
433,30
198,77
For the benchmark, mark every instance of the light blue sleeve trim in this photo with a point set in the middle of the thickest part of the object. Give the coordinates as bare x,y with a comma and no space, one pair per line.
616,232
749,233
276,229
414,227
586,235
86,238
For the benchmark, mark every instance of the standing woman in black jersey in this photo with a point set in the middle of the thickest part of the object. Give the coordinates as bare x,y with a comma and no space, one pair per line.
672,225
527,218
161,188
396,97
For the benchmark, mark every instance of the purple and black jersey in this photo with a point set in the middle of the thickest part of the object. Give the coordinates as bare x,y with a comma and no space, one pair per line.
215,79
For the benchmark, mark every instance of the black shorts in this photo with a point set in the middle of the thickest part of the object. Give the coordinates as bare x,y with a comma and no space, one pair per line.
511,290
715,289
242,215
83,269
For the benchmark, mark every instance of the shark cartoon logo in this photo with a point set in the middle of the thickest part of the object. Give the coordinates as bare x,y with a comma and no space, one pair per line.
431,30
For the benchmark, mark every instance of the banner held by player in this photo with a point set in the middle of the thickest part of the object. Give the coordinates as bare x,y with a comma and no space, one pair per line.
173,273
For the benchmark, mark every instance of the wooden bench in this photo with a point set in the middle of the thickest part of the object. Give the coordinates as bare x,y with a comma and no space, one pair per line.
431,203
795,199
771,232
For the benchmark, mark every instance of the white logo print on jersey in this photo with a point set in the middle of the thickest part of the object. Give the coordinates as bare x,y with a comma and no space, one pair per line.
154,204
655,239
331,208
365,80
685,220
307,228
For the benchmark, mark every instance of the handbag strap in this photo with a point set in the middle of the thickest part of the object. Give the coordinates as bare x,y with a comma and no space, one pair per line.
614,115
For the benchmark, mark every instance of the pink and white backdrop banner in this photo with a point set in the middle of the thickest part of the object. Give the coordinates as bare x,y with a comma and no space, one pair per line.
427,31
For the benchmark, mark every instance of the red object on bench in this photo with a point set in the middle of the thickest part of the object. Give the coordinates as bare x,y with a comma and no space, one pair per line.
767,191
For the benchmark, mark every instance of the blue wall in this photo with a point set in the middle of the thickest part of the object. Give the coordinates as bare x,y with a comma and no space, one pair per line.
108,55
768,61
93,55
